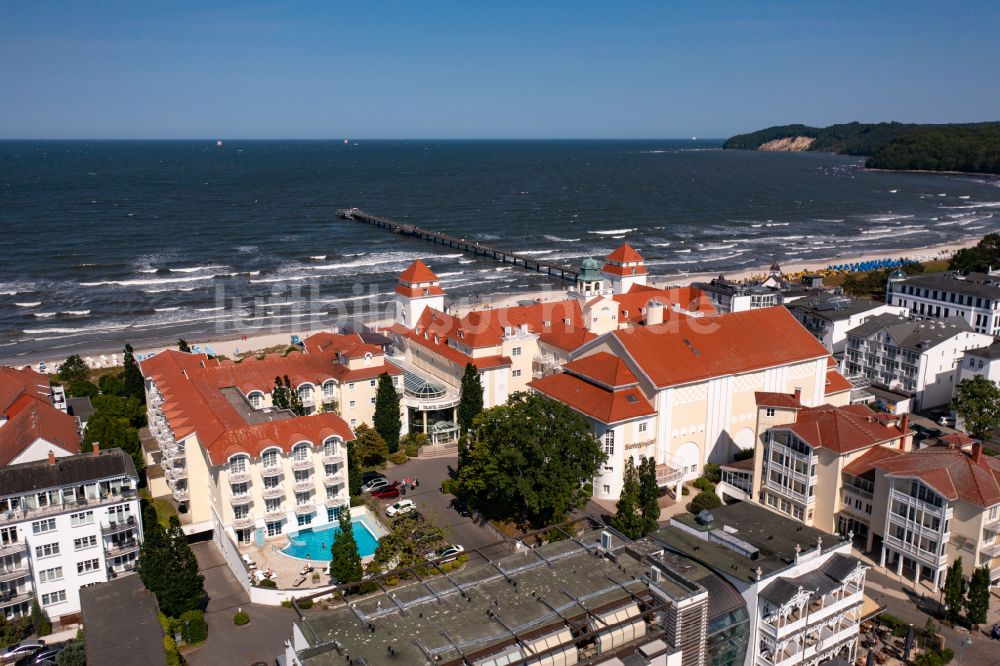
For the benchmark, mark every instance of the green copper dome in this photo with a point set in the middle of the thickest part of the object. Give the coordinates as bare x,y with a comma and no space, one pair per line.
590,270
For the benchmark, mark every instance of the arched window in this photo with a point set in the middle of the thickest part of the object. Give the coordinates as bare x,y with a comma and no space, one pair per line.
305,392
329,389
270,458
239,463
301,451
330,447
256,399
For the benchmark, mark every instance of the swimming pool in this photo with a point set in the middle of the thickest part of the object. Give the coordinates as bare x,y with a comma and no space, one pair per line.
315,544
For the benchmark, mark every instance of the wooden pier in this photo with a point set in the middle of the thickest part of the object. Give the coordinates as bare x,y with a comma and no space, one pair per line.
476,249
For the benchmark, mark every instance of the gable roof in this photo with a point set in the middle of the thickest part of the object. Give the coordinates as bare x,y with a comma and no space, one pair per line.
952,473
779,400
16,382
348,345
836,382
631,304
842,429
865,464
918,335
31,418
624,254
602,368
599,402
687,349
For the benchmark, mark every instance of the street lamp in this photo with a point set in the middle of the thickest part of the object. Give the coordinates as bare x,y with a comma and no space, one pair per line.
966,642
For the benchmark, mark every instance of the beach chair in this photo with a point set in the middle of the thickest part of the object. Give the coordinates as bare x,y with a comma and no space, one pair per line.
299,581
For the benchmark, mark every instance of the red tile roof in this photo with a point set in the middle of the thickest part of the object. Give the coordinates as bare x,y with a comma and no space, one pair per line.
615,269
624,254
194,403
690,349
745,465
602,368
30,418
605,405
836,383
16,382
953,473
866,463
349,346
780,400
631,305
418,272
841,429
567,340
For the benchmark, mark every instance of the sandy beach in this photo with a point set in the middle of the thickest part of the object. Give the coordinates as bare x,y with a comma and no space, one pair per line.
233,345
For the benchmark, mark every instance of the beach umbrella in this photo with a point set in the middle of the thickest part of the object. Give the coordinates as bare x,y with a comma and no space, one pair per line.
871,657
909,644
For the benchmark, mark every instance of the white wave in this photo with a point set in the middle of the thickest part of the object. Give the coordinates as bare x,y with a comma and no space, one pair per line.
12,292
165,309
611,232
76,313
777,224
33,304
466,261
536,252
889,217
449,274
831,219
160,291
246,249
148,270
963,196
285,278
981,204
221,307
318,257
195,269
660,244
45,315
556,239
717,247
682,251
139,283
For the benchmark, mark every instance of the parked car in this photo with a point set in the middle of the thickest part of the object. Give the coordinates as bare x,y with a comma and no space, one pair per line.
368,477
461,507
995,632
390,491
21,650
400,507
446,554
947,421
375,484
47,655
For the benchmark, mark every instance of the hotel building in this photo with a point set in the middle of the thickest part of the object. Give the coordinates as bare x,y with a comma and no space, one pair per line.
33,418
974,297
66,523
830,316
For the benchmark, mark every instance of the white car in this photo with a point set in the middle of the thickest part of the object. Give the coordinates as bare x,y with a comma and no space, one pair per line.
446,554
374,485
400,507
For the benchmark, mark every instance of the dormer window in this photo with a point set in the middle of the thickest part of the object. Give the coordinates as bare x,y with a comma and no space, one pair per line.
427,292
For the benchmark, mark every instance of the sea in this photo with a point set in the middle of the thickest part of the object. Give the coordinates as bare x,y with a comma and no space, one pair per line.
112,241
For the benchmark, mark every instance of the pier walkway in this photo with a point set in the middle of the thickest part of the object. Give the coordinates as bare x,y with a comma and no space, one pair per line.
477,249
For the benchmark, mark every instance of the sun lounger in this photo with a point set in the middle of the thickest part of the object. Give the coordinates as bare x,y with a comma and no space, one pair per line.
299,581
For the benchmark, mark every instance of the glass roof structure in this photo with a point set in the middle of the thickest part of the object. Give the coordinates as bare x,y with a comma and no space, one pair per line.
418,387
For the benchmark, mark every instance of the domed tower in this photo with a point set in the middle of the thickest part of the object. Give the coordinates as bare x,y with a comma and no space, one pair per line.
775,271
590,282
418,288
624,268
894,284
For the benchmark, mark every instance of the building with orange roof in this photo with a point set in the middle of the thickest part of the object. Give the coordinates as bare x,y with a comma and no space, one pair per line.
625,268
31,423
244,468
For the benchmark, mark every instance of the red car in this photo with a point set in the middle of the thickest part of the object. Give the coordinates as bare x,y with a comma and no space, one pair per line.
387,492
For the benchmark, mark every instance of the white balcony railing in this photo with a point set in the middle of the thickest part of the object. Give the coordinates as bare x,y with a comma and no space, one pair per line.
239,476
243,523
300,464
242,499
271,492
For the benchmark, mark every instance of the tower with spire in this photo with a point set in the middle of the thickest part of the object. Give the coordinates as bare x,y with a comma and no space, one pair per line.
418,288
624,267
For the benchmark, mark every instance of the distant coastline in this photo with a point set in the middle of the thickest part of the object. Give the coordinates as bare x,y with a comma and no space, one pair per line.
971,148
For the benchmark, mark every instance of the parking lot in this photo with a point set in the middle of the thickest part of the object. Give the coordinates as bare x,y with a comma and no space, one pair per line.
435,505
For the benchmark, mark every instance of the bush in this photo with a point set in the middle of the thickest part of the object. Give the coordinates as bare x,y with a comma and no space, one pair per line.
304,604
462,559
358,500
268,583
744,454
685,490
712,472
448,486
241,618
193,626
705,500
411,450
397,458
391,582
703,484
170,649
286,603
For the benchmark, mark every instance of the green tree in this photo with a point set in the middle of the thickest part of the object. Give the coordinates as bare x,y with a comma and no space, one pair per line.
74,369
39,619
386,419
954,595
705,500
112,384
649,495
712,472
528,461
134,384
183,346
471,401
627,519
354,468
977,402
279,395
74,654
409,539
186,587
128,409
82,389
112,432
981,258
294,402
345,562
371,448
977,603
744,454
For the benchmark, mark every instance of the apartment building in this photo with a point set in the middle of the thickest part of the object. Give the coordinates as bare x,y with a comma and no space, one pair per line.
684,392
33,418
66,523
830,315
984,361
918,358
974,297
238,464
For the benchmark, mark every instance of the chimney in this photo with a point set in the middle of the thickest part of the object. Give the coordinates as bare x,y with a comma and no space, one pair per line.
904,423
52,457
977,453
798,395
96,448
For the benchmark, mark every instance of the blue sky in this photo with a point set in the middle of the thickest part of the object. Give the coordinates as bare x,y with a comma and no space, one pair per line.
487,70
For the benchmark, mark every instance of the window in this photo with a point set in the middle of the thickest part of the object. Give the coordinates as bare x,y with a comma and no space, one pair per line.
47,550
240,512
607,490
643,426
87,566
609,442
43,526
274,529
371,383
353,403
516,351
83,518
54,598
269,458
85,542
769,411
272,505
330,448
354,423
329,389
304,520
301,452
350,387
239,464
49,575
373,400
256,399
516,373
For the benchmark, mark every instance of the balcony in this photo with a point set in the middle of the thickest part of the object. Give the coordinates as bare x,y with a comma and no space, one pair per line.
17,515
239,475
332,456
13,548
176,473
274,514
304,509
273,492
301,464
271,470
119,548
15,572
119,526
181,494
304,485
246,522
991,550
242,499
13,598
333,479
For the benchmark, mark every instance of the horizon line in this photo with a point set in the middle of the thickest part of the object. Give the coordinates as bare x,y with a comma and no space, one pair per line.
342,139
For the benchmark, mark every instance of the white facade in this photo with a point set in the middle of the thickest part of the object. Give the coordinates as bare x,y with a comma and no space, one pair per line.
832,331
980,362
55,540
974,297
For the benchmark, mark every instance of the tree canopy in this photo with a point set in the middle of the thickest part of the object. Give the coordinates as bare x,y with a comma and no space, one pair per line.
528,460
409,539
113,432
183,346
628,516
954,595
977,402
471,400
345,562
168,567
386,418
981,258
977,603
135,386
369,446
649,495
74,369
